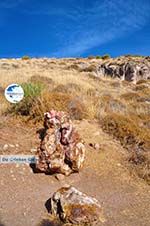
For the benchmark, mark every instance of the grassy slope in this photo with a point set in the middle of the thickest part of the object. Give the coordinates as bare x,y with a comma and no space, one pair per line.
122,108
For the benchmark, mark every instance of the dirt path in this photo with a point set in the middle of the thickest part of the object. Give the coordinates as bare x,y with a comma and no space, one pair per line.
125,198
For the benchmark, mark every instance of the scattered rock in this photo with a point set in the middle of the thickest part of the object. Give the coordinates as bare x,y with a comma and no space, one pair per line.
96,146
61,149
72,206
5,147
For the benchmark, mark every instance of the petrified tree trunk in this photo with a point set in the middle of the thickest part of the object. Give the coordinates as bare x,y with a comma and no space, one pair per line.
61,149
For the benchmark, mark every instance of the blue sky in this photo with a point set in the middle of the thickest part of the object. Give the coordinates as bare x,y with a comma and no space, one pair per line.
72,28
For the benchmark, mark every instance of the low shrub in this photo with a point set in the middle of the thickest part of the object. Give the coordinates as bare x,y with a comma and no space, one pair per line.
108,104
89,68
26,58
126,130
67,88
60,102
130,96
98,57
31,92
106,56
41,79
134,138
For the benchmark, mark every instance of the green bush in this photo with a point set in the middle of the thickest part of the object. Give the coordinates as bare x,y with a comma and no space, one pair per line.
98,57
31,92
106,56
25,58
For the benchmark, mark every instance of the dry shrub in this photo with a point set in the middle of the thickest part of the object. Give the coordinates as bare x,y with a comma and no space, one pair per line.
126,130
108,104
89,68
141,109
73,66
140,87
60,102
61,88
131,96
140,163
134,138
67,88
141,81
41,79
94,93
115,84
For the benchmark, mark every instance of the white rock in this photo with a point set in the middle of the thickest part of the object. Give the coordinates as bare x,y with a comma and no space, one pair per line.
12,145
33,150
5,147
96,146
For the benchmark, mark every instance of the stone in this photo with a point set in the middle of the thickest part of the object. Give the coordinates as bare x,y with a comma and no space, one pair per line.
72,206
5,147
61,149
125,68
33,150
96,146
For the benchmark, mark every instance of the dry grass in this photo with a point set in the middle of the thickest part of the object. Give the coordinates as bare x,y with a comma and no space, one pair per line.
122,107
134,138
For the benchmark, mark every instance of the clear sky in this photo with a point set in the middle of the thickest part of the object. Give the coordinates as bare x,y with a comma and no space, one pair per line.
72,28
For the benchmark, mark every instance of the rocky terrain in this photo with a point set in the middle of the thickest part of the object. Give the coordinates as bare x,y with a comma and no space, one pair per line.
112,117
129,69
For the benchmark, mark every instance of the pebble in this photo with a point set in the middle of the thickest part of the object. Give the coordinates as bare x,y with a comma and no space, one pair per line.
33,150
5,147
96,146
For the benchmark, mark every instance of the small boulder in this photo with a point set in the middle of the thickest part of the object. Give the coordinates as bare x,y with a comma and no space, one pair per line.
73,207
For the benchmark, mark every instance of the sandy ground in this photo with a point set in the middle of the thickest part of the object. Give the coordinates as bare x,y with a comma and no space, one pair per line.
125,199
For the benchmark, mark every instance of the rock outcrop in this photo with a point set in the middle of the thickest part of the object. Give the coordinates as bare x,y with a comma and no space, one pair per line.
61,149
72,206
129,69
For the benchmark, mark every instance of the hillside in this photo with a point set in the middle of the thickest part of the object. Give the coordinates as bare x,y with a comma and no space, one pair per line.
108,108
